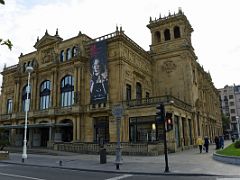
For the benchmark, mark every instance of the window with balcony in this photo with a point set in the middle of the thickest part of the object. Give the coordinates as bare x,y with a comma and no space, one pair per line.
67,91
138,93
9,106
45,90
24,98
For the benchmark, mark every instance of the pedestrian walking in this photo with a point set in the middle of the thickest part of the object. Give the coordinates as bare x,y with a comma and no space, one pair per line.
216,140
200,143
206,143
221,142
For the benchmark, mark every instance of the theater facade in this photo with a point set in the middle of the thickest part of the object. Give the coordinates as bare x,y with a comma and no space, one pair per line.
76,82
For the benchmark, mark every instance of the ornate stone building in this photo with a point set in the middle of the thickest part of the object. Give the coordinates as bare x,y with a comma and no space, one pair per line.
76,82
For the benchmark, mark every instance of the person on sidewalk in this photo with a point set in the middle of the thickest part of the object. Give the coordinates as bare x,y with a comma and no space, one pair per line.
206,143
221,142
200,143
217,143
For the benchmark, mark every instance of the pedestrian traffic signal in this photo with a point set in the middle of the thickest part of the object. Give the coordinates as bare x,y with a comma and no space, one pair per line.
169,121
160,113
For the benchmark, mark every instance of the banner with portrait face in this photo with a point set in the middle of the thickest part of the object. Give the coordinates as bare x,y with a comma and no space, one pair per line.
99,72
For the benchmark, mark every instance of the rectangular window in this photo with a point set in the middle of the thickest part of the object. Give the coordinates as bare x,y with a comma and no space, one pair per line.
9,106
147,95
230,96
232,110
231,103
128,92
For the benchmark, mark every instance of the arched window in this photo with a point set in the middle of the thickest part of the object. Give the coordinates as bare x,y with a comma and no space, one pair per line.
157,36
62,56
68,55
138,91
74,51
167,34
67,91
45,89
24,97
177,32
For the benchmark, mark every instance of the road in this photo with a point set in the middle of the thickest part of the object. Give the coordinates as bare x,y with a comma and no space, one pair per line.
19,172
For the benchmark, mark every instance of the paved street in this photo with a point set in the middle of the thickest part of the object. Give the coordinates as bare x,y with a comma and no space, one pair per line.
188,162
19,172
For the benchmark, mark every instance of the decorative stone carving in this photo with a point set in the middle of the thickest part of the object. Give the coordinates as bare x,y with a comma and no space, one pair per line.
168,66
48,55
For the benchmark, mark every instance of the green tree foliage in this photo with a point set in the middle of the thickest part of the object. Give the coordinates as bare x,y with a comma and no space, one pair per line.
225,122
7,42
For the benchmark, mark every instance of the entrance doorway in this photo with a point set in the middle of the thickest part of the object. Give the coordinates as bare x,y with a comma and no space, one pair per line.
101,129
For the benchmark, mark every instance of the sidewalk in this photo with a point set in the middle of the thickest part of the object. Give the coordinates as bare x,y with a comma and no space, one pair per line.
186,162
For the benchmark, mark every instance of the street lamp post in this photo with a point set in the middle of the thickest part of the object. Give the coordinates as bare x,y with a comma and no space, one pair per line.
29,69
237,118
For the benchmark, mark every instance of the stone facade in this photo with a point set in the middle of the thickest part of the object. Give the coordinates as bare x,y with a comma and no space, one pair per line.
138,79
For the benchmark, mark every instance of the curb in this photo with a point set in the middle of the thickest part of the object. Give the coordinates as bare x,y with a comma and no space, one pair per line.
227,159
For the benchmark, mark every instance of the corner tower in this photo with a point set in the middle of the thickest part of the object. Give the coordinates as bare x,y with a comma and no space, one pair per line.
173,56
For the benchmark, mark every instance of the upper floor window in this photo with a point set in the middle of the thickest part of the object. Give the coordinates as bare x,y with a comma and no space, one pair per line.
9,106
232,111
62,56
74,51
45,89
147,95
24,97
157,36
167,34
176,32
67,91
231,103
128,92
230,96
68,55
138,91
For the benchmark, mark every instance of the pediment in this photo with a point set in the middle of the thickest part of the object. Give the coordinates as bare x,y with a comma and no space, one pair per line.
47,40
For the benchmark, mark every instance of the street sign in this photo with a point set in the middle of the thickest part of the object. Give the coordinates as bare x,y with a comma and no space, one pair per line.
117,111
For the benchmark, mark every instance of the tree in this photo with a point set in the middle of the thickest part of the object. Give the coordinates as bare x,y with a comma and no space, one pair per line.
7,42
225,122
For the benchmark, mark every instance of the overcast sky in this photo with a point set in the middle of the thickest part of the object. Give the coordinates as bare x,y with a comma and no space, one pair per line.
216,36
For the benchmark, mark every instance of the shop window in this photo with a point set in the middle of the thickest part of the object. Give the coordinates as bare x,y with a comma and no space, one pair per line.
45,95
67,91
145,129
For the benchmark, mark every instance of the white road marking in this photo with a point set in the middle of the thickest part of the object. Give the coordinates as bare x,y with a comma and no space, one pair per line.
120,177
19,176
228,178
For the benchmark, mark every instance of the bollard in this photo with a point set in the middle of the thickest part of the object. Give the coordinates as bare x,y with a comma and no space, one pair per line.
103,156
60,163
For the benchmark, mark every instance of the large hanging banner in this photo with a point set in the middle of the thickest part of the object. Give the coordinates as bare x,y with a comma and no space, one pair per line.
99,72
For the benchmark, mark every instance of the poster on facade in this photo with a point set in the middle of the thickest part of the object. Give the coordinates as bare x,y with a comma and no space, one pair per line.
99,72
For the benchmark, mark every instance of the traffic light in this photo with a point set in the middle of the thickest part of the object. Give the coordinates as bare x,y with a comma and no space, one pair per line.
169,121
160,113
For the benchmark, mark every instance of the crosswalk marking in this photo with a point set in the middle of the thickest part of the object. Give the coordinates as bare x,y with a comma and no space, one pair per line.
19,176
120,177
